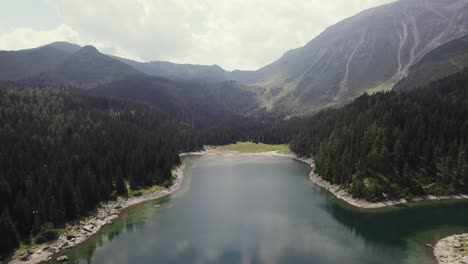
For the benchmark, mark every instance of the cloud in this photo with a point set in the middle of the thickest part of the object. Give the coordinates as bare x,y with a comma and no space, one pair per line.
245,34
23,38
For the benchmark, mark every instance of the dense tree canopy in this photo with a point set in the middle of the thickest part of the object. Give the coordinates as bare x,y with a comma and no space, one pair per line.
393,145
63,152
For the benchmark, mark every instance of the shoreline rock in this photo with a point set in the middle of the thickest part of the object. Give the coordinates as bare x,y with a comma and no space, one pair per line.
109,211
344,195
84,228
452,249
334,189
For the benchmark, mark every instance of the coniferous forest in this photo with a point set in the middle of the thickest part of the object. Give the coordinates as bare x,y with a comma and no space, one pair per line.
65,150
394,145
103,106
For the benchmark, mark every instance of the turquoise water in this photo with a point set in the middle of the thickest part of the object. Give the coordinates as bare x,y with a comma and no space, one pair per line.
265,210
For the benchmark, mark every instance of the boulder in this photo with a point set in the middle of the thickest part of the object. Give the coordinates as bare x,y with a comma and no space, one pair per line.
70,237
25,257
62,258
64,245
88,228
51,249
458,245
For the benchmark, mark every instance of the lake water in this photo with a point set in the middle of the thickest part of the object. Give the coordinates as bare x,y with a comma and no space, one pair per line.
265,210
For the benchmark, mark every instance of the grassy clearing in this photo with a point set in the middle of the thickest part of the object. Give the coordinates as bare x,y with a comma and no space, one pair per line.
140,192
250,147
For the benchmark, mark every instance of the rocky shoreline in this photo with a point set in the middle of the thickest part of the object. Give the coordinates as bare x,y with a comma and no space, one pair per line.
452,249
344,195
336,190
445,250
83,229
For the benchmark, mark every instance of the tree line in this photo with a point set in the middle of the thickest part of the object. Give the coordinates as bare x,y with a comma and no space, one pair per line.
63,152
394,145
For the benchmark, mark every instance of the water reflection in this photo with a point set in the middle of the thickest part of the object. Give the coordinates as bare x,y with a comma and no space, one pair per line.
264,210
392,225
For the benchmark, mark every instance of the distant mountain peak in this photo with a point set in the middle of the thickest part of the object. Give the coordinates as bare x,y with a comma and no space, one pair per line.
88,49
64,46
368,52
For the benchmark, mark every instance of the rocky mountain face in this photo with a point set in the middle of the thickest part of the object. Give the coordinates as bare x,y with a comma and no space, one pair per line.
443,61
369,52
409,42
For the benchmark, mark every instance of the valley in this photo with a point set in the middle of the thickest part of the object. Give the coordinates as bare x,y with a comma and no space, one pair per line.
305,158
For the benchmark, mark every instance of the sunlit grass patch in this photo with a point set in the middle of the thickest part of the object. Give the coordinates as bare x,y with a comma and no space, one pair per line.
250,147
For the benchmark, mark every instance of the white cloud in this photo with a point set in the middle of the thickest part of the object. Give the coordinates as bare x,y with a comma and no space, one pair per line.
244,34
23,38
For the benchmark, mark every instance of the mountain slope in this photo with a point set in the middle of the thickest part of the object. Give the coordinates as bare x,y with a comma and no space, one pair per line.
181,72
368,52
441,62
86,68
396,144
17,65
65,46
183,99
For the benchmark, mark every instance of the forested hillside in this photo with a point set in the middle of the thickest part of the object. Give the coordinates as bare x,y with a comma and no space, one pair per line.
207,113
393,145
63,152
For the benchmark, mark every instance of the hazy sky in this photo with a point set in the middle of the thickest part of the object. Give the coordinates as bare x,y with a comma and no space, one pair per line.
235,34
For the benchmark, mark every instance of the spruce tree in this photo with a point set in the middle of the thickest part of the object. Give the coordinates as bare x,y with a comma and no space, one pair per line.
120,183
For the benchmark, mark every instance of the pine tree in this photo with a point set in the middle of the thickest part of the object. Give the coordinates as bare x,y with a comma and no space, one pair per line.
9,237
120,183
465,178
52,212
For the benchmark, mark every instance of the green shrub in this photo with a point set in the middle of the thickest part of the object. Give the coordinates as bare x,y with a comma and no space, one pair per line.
47,233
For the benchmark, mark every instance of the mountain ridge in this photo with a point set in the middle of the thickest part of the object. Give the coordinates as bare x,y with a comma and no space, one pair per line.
368,52
371,51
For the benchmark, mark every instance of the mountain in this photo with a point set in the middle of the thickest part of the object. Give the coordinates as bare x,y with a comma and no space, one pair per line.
181,72
183,99
86,68
368,52
65,46
443,61
49,59
17,65
407,41
396,144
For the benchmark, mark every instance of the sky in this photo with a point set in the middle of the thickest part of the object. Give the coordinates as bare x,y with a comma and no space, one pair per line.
234,34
